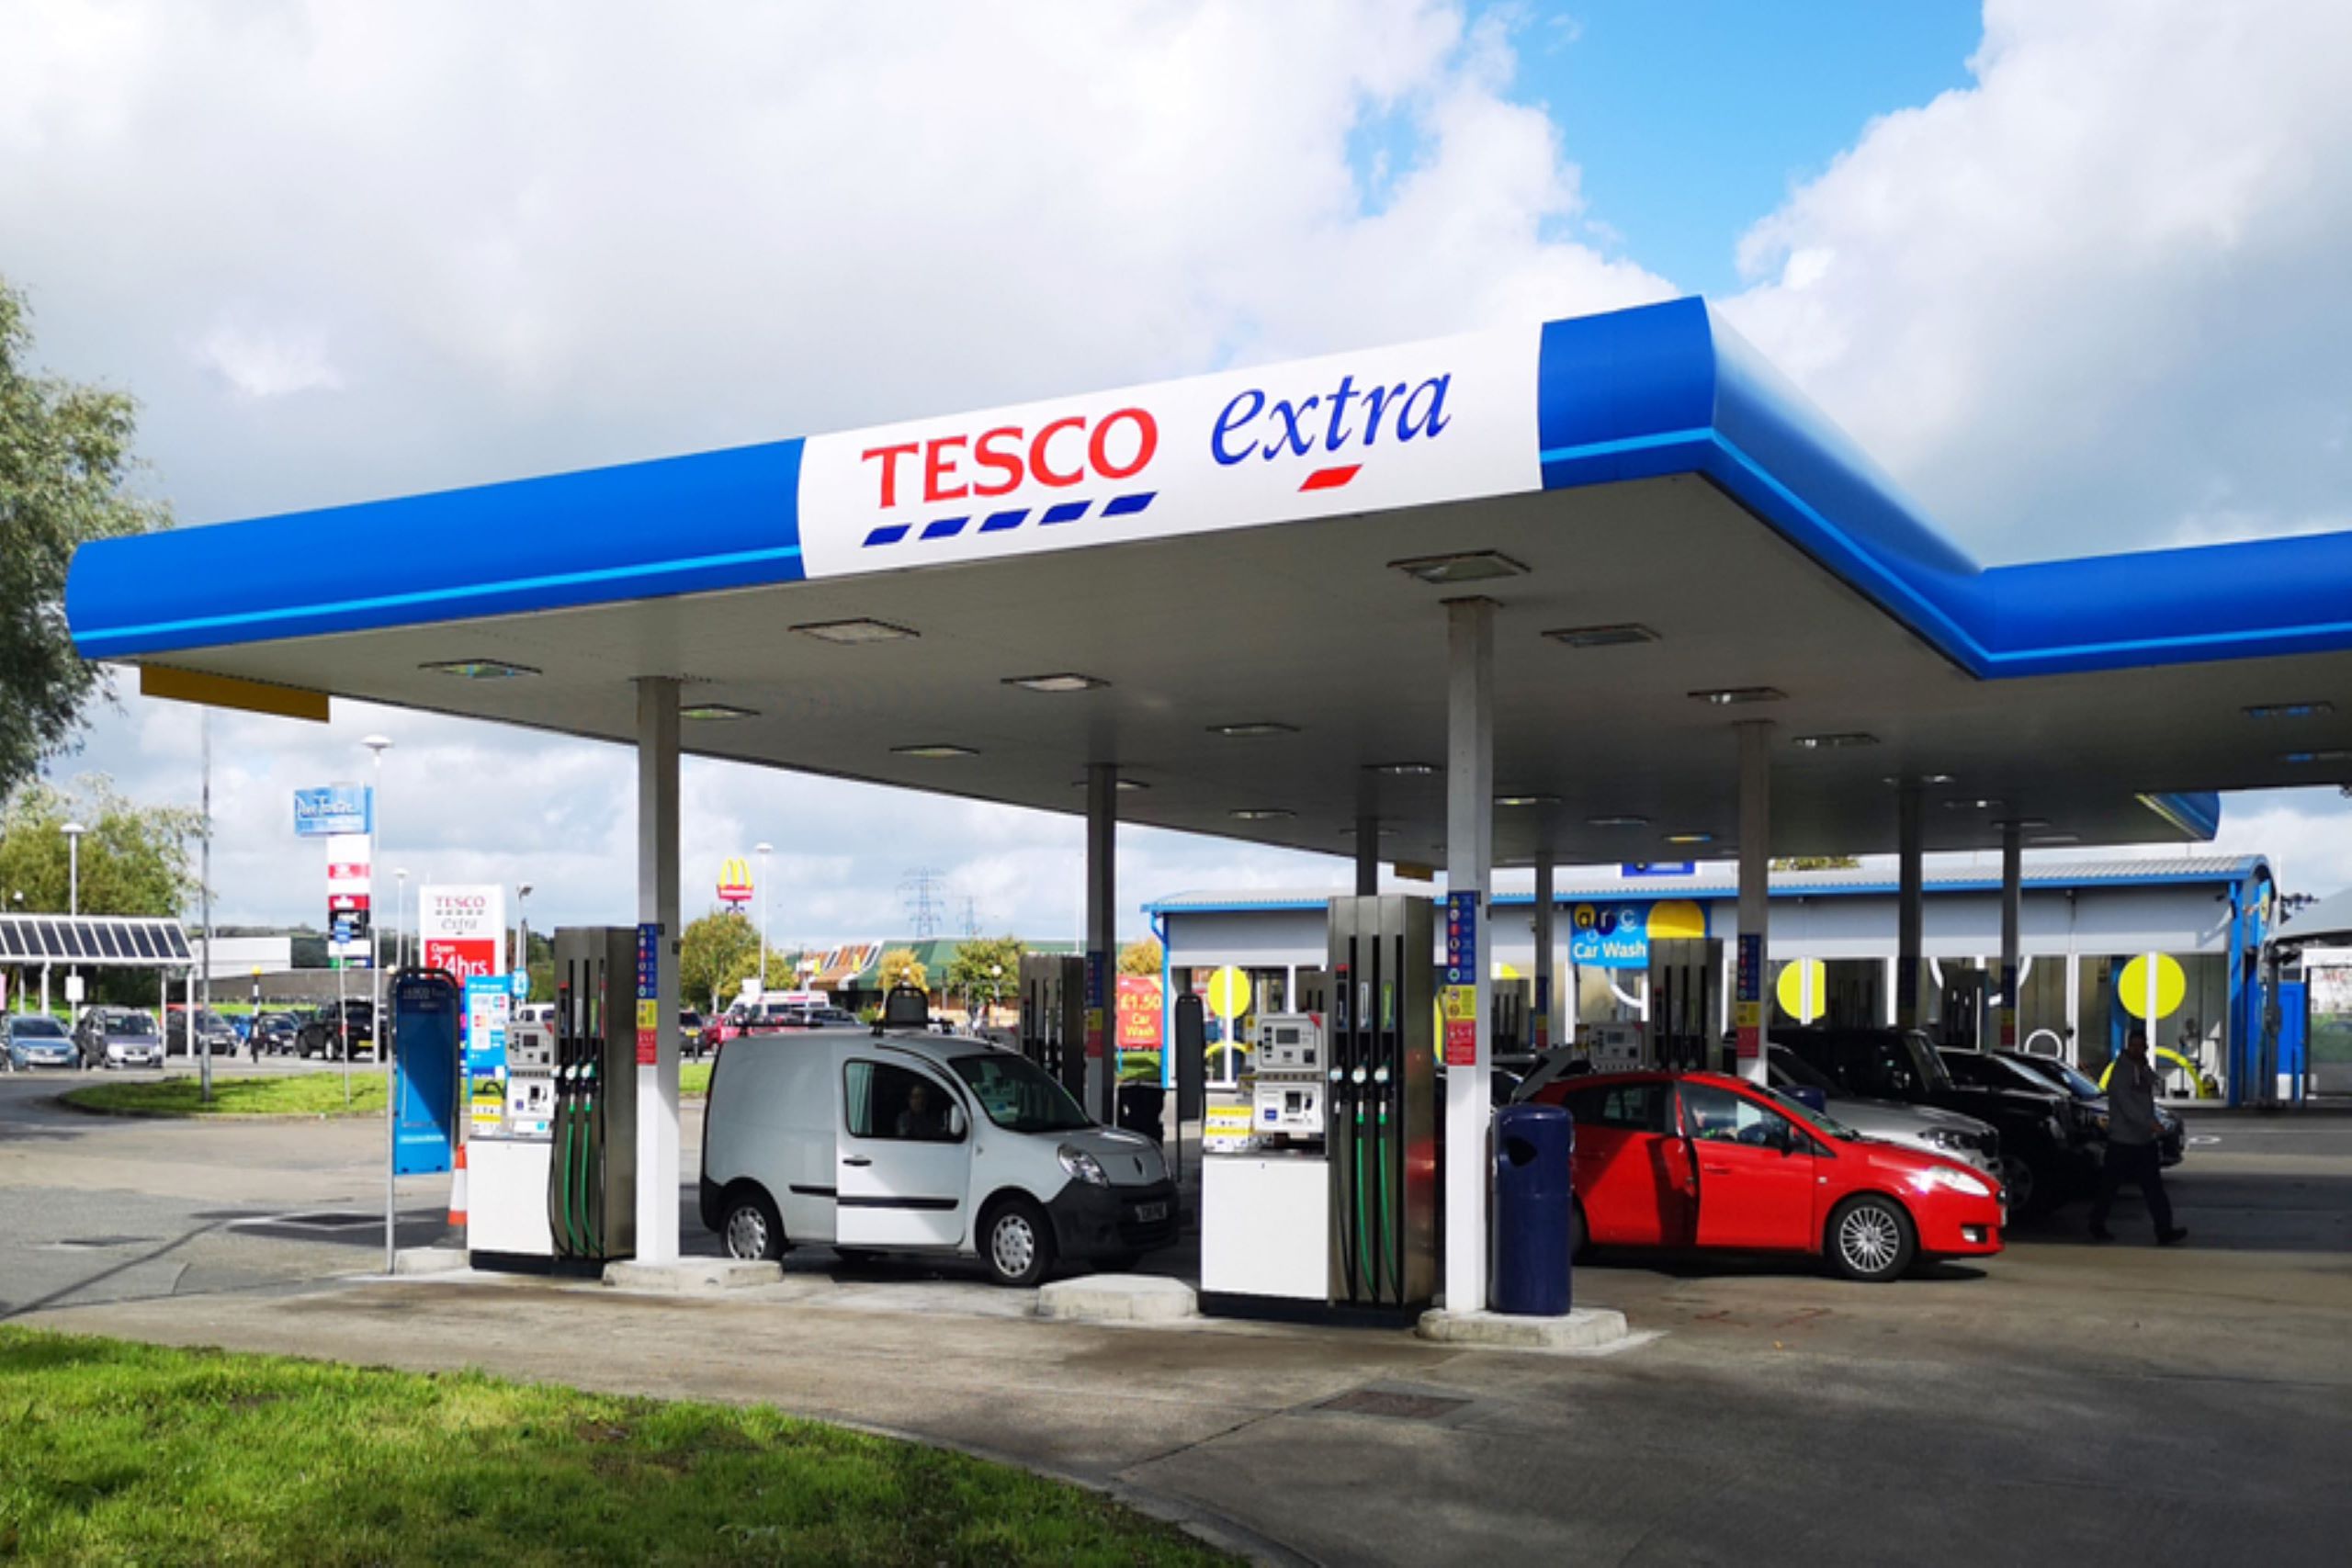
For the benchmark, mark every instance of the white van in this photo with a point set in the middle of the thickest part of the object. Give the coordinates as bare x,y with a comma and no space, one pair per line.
908,1142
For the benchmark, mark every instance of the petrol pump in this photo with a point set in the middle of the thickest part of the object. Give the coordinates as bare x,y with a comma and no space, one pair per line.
1684,1029
1053,1017
1332,1201
556,1176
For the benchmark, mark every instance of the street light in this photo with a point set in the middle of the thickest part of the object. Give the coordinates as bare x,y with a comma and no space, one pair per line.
73,831
762,851
400,922
521,933
378,745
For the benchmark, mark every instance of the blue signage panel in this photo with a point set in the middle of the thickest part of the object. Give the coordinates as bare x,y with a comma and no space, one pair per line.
424,1072
1462,938
337,808
1610,936
1658,868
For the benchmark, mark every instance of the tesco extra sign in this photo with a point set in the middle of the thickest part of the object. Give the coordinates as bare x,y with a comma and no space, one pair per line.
1354,432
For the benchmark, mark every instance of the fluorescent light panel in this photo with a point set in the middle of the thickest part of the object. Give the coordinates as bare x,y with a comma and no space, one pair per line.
1065,680
855,631
1468,566
480,669
1617,635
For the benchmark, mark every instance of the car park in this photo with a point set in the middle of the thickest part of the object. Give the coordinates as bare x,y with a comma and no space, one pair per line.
118,1037
31,1040
2172,1132
1705,1161
2038,1157
901,1141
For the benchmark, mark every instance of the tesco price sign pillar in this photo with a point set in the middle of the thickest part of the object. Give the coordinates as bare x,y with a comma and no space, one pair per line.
462,929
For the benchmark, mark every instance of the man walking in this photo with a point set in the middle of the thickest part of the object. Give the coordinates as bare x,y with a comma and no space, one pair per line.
2132,1152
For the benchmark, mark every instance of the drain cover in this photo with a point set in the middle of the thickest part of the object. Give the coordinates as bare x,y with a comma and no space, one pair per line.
1395,1407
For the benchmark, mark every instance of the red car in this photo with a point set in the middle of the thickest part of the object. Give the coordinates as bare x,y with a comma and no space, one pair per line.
1702,1160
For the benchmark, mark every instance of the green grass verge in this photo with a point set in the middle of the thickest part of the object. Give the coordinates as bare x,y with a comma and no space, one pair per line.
298,1094
694,1078
136,1453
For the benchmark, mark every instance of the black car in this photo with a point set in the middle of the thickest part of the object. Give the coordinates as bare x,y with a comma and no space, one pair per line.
321,1035
2090,1101
274,1034
214,1034
2039,1159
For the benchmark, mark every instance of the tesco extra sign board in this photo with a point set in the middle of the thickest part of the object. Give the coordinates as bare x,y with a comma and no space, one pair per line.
463,928
1367,432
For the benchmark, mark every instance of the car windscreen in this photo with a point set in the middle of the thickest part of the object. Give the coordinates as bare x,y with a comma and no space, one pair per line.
1797,1070
130,1023
1928,1062
1820,1119
30,1025
1018,1095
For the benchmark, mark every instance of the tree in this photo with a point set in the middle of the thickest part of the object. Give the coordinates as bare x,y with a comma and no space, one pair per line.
901,967
134,860
716,954
984,970
1816,863
64,461
1140,957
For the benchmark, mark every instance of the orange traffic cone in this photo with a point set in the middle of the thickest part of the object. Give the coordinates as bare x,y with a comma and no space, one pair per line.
457,1191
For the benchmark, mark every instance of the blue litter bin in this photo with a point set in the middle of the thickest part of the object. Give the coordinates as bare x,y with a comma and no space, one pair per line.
1534,1204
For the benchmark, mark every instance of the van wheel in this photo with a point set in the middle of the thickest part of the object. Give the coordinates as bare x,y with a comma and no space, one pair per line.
752,1230
1017,1243
1871,1238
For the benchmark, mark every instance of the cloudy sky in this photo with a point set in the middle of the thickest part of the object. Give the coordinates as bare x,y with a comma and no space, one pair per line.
2073,269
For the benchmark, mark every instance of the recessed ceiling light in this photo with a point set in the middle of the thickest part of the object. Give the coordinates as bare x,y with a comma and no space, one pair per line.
1253,729
717,711
1835,740
1689,838
1527,800
1723,696
1923,778
480,669
935,749
1981,803
1469,566
2023,824
1619,821
855,631
2055,838
1260,813
1616,636
1124,786
1065,681
2301,757
2315,709
1350,831
1407,770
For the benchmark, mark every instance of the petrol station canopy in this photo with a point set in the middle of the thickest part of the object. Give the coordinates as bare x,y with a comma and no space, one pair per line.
1230,588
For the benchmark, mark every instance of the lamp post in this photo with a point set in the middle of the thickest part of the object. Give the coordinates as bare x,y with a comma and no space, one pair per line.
73,831
378,745
400,922
521,933
762,851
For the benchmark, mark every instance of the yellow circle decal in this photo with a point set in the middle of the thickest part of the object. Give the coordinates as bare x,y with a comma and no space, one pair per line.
2131,985
1804,989
1228,993
1674,917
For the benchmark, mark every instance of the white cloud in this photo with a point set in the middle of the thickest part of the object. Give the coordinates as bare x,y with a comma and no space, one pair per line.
259,363
2096,300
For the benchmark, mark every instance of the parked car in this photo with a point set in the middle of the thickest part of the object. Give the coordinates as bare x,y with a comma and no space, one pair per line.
1702,1160
275,1031
120,1037
904,1141
1924,1127
322,1035
36,1040
2172,1132
212,1032
2038,1155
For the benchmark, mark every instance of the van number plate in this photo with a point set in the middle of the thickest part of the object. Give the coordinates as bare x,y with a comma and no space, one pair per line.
1146,1212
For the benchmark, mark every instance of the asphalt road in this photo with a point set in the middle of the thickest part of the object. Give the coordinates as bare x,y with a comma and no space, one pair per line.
2062,1402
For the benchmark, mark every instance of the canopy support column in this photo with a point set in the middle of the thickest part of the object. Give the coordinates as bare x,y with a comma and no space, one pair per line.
1469,857
1367,854
657,906
1910,905
1542,1024
1755,892
2012,902
1102,937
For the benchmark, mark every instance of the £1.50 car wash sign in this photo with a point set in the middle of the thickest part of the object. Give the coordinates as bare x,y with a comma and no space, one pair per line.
1354,432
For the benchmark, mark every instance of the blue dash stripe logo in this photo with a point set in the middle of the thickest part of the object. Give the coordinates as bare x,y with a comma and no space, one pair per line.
1005,522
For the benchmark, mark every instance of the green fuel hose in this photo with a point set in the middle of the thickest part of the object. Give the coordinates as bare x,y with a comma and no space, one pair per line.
1387,1215
1367,1267
586,1244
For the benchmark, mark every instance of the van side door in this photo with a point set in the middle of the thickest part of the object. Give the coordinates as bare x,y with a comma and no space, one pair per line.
905,1162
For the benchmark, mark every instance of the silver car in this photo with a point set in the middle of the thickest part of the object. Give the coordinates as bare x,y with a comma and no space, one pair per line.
1922,1127
120,1037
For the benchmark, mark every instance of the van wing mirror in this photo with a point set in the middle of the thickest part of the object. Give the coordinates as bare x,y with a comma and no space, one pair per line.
958,1124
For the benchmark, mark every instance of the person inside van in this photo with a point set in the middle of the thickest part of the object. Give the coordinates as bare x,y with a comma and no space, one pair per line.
923,1120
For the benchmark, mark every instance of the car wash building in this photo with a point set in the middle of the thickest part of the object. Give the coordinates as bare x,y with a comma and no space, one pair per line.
1578,593
2089,932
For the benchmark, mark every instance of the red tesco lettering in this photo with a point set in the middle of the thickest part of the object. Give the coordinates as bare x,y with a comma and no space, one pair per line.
1062,453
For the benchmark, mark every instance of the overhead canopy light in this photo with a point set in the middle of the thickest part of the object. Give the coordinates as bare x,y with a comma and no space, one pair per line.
1689,838
2023,824
1253,729
1470,566
1981,803
2314,709
855,631
1065,681
1924,778
717,711
1527,800
480,669
935,749
1618,821
1122,784
1616,636
1834,741
1260,813
1350,831
1407,770
1724,696
2055,838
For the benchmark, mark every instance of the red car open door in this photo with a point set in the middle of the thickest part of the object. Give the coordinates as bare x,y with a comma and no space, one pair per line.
1755,1168
1633,1170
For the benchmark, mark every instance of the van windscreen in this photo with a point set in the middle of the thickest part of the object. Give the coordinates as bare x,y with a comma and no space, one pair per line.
1019,1096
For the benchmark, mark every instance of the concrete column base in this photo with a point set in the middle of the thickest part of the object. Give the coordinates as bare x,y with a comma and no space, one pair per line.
1585,1328
431,1260
691,1276
1118,1298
